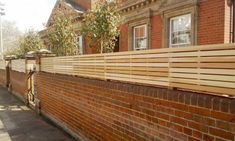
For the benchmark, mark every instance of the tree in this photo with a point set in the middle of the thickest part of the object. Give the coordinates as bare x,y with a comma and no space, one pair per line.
30,41
101,25
62,37
11,35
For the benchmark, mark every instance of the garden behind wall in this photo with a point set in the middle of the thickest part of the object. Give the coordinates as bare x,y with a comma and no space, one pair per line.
182,94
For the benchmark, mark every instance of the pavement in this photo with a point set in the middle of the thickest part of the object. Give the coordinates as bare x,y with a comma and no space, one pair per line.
20,123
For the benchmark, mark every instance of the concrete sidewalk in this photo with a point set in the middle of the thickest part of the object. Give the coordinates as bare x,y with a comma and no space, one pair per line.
19,123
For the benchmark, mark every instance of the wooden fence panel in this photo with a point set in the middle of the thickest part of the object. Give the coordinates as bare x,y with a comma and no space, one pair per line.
208,68
2,64
18,65
30,65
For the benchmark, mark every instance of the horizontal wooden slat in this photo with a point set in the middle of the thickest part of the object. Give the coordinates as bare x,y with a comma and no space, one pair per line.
18,65
208,68
204,71
203,77
2,64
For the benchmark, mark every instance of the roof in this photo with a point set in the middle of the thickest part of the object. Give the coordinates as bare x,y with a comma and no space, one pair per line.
74,5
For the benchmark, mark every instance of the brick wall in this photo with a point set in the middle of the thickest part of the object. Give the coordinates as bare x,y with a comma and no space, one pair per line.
156,32
114,111
18,83
91,50
155,38
213,25
211,22
2,77
123,45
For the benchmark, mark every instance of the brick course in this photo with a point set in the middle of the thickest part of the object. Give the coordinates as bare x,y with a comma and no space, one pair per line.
108,110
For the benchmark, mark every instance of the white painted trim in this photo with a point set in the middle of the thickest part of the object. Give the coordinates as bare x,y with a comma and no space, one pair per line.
146,36
80,43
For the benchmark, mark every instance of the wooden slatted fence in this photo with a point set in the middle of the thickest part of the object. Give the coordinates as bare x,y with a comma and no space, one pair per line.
208,68
30,65
18,65
2,65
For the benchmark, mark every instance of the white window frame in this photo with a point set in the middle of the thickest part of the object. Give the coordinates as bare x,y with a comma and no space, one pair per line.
134,37
80,45
170,32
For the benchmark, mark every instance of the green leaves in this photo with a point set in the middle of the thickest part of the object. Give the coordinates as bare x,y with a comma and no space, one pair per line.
63,38
101,25
30,41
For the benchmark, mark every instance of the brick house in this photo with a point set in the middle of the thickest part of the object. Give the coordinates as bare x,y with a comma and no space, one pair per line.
175,23
163,95
72,8
150,24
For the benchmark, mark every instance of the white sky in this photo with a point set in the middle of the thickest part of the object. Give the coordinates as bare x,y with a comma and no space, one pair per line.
28,13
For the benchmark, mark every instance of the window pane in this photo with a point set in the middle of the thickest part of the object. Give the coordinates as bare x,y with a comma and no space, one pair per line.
141,43
174,25
140,37
136,32
142,31
188,22
180,32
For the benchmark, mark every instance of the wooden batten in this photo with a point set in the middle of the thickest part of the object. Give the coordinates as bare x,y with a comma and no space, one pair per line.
208,68
18,65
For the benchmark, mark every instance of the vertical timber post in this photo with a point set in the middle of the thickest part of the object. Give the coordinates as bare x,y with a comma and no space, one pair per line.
38,56
8,72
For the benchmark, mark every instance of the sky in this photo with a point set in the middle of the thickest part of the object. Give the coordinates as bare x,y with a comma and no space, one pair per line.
28,14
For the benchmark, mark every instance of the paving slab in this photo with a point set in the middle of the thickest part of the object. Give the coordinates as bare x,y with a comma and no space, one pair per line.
20,123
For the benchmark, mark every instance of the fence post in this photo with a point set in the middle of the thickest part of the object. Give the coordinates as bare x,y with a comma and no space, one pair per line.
8,70
38,55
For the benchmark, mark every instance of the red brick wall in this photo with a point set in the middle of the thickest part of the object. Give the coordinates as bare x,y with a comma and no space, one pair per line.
211,22
2,77
156,38
90,49
123,45
114,111
213,25
18,82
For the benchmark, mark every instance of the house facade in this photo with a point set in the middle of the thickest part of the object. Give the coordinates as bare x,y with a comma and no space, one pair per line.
74,9
151,24
175,23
